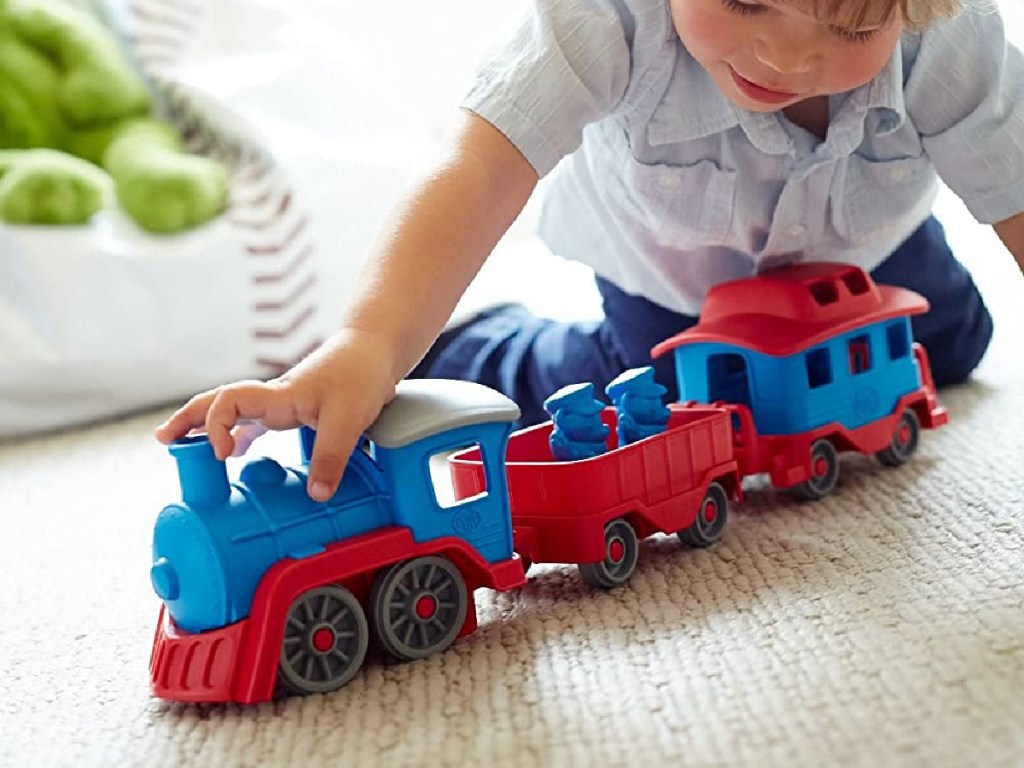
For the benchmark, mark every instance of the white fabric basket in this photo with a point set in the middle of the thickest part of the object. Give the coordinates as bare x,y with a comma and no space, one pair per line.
103,319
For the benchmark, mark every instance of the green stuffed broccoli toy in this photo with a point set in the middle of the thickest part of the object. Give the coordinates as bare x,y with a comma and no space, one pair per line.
75,122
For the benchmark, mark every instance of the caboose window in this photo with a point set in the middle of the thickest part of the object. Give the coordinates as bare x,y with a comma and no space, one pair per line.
819,367
824,292
899,344
860,354
856,283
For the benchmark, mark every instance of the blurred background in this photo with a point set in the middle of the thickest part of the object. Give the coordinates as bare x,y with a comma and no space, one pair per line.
367,90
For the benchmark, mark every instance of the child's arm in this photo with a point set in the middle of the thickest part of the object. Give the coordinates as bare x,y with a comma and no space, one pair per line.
426,256
1011,232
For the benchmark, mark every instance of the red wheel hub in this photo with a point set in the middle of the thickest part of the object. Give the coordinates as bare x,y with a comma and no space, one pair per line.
426,606
616,551
820,467
904,435
323,639
710,511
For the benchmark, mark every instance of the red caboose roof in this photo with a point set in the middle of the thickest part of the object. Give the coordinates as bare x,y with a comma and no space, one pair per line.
793,308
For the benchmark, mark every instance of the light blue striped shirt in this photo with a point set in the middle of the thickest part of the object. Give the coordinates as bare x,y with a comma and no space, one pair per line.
665,187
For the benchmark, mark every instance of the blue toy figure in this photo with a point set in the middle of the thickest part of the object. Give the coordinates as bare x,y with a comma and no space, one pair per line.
637,398
579,432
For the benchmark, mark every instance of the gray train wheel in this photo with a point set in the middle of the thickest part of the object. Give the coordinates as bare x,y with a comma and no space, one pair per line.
621,550
707,528
325,639
419,606
904,441
824,472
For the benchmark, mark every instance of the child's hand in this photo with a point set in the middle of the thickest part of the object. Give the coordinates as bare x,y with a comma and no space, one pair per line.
338,390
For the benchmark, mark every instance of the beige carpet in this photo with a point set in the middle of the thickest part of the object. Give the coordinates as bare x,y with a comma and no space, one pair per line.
883,626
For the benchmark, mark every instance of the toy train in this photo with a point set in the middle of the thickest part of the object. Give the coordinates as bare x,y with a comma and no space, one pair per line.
264,589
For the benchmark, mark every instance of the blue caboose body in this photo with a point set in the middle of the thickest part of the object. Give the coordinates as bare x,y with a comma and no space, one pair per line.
815,345
211,549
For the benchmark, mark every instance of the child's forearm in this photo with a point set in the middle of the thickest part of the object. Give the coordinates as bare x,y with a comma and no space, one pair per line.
1011,232
436,241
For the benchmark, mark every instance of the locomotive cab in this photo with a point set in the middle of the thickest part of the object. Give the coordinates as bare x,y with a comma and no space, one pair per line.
430,418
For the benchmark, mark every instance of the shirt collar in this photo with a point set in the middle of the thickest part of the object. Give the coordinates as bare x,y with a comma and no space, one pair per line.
876,108
693,107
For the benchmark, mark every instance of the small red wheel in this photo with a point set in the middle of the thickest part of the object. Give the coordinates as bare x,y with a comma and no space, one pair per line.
904,441
707,527
824,465
621,550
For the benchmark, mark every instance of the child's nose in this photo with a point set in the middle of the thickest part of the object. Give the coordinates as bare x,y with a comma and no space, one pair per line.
784,55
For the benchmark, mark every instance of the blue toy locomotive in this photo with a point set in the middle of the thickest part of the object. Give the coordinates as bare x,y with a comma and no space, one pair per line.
213,550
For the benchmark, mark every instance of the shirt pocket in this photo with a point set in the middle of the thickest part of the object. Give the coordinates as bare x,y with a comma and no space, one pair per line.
878,195
683,206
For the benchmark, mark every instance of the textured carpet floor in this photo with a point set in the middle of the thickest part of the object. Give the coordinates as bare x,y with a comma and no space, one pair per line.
883,626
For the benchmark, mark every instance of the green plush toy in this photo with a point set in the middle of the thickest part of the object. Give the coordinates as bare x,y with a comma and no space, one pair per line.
71,105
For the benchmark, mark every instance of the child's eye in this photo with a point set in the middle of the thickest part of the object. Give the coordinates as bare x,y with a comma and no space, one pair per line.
738,6
854,35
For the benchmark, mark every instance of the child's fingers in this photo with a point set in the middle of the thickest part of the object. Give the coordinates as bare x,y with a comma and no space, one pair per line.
186,418
244,400
336,436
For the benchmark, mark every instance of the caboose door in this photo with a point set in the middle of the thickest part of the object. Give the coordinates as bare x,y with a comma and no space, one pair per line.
728,378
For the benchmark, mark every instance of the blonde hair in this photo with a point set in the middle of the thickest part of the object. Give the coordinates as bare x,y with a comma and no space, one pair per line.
915,14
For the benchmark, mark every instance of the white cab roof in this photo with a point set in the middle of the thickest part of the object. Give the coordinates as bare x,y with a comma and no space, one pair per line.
425,407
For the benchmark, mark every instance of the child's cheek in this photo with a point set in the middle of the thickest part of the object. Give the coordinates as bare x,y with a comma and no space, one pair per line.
705,31
856,67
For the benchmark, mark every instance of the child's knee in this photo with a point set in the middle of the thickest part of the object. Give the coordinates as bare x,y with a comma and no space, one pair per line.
955,353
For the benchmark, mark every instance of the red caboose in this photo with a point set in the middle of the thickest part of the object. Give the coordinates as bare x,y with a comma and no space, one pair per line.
813,359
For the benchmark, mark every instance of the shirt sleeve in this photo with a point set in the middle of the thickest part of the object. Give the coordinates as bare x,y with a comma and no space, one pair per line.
965,94
566,64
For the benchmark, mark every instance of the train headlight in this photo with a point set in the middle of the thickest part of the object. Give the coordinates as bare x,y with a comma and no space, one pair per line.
165,580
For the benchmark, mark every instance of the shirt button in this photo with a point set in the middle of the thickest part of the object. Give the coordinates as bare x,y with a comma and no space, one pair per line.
899,174
669,180
795,230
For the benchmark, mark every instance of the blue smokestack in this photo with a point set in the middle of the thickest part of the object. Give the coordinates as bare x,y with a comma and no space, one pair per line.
204,479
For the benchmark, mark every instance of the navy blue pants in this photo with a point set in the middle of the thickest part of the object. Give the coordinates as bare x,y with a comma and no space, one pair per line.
528,358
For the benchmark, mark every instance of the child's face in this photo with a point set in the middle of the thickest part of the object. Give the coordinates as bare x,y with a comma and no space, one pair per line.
768,54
